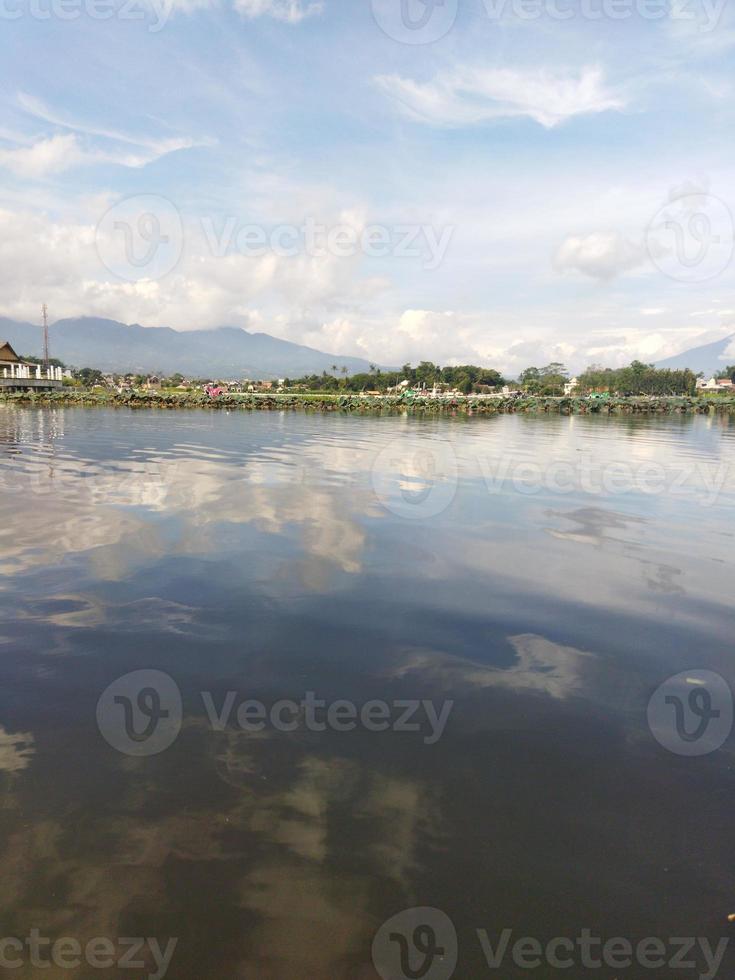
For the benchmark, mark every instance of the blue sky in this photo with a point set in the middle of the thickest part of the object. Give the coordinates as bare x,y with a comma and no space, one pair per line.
542,188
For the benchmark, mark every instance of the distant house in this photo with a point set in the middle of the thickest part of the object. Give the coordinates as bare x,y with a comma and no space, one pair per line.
7,354
570,386
17,373
153,383
715,384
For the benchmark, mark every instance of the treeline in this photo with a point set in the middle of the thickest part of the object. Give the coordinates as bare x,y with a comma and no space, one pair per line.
464,377
638,379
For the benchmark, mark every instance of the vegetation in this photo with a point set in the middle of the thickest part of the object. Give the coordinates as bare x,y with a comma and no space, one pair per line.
549,380
360,404
465,378
53,361
638,379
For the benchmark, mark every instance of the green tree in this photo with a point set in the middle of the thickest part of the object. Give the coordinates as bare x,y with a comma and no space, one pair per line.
89,376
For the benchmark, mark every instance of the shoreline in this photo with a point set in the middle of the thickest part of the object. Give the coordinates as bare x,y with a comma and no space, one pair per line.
380,404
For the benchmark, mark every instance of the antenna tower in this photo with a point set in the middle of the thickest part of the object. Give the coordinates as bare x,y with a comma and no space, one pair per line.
44,311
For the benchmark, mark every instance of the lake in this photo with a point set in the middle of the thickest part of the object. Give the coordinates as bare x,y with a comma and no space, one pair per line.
272,679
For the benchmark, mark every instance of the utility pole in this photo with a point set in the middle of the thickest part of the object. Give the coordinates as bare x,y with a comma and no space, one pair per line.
44,310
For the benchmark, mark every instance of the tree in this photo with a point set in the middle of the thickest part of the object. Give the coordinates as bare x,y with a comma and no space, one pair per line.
89,376
728,372
638,379
53,361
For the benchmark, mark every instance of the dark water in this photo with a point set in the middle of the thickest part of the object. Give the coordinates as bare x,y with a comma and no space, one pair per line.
544,575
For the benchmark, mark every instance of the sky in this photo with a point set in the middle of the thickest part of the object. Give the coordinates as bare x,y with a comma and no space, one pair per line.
502,182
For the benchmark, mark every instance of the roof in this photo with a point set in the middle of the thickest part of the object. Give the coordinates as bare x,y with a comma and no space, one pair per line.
7,353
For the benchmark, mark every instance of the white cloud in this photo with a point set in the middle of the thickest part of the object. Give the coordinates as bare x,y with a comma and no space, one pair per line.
62,151
289,11
600,255
476,95
44,157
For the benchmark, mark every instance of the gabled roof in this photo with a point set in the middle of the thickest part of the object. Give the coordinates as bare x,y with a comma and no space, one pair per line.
7,353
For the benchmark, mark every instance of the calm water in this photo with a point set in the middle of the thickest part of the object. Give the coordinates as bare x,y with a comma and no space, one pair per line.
544,575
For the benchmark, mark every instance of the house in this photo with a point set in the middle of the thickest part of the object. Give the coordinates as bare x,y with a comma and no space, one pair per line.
153,383
570,386
16,373
399,388
715,384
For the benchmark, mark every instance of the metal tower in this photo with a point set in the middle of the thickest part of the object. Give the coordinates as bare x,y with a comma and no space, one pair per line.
44,311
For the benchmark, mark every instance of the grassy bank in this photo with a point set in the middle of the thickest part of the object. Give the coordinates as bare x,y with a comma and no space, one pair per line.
361,404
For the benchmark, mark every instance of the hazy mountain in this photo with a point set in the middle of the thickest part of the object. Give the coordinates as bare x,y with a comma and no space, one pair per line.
709,358
226,352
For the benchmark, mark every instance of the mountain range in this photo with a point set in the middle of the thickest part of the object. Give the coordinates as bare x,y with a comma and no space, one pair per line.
709,358
224,352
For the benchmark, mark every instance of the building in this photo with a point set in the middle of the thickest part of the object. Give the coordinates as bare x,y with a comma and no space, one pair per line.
570,386
716,384
19,375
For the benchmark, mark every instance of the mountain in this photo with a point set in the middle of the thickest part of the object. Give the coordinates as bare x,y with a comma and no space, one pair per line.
224,352
709,358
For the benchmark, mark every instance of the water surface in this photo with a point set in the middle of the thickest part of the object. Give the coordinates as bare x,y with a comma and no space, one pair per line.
545,575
